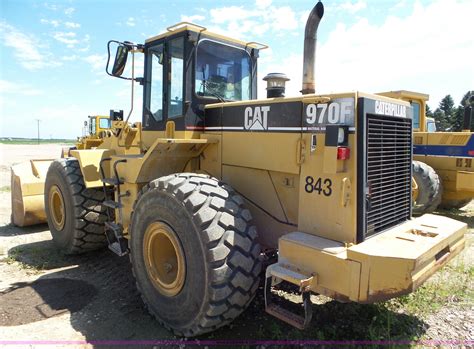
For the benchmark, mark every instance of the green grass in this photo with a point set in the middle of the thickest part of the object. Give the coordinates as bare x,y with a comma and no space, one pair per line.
452,284
5,188
35,141
399,319
15,256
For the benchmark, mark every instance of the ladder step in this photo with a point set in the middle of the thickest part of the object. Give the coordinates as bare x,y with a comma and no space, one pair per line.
286,316
113,204
298,321
112,181
119,247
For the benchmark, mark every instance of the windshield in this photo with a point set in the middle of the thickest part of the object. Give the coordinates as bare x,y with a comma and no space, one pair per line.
104,123
222,72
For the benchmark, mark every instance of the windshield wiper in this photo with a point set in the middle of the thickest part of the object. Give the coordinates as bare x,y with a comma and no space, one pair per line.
209,89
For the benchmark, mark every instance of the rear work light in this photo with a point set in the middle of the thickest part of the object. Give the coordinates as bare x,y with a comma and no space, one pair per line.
343,153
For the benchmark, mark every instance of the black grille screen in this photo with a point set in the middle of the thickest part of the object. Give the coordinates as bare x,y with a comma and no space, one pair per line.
388,172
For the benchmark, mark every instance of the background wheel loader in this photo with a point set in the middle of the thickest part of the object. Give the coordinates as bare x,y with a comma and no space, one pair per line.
28,178
443,166
212,177
97,128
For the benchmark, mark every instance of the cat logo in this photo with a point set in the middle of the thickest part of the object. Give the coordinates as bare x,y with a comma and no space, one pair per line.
256,118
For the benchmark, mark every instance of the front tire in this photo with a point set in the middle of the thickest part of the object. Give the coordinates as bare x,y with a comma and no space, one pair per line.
194,252
75,214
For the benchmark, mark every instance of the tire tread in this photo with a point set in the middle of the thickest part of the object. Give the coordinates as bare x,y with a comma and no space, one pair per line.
234,268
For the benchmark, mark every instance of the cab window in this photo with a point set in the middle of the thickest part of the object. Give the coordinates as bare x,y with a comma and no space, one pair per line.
104,123
416,114
92,126
222,72
176,72
430,125
155,80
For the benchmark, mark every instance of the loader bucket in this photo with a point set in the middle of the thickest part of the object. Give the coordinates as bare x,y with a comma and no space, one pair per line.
27,190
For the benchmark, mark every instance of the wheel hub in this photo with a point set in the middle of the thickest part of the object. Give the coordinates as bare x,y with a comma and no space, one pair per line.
57,208
164,258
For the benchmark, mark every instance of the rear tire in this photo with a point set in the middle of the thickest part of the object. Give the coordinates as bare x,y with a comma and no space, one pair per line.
75,214
213,270
430,189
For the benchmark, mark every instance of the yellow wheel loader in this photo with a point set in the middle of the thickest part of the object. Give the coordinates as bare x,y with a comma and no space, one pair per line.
27,180
212,177
99,127
443,166
95,130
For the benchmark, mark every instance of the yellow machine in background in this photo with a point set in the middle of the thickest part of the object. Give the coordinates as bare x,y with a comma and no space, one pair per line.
212,177
444,161
27,179
99,127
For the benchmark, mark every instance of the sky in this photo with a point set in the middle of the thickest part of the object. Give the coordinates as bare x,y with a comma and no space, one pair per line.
53,53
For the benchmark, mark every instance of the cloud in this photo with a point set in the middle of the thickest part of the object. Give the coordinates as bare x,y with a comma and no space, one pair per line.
53,22
237,20
8,87
26,48
51,7
412,52
68,38
56,23
261,4
192,19
69,11
72,25
71,40
130,22
352,7
97,62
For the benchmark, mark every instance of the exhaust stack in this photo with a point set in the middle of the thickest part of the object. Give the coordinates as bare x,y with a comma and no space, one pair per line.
310,48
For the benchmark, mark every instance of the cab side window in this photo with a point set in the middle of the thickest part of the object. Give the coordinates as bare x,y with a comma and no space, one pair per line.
416,114
156,80
176,73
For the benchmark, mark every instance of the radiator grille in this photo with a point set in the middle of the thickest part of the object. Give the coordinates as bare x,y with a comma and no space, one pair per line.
389,146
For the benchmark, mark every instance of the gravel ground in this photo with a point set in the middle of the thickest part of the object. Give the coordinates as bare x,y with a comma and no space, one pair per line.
47,296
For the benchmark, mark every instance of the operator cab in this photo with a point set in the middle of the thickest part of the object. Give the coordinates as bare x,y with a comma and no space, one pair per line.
189,67
98,124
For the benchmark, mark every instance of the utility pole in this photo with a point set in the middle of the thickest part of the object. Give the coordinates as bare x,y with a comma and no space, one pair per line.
38,121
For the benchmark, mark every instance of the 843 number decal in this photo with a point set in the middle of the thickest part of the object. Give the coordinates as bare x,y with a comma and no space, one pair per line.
320,186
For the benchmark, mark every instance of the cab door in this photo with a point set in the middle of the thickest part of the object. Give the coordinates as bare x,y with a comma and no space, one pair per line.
164,84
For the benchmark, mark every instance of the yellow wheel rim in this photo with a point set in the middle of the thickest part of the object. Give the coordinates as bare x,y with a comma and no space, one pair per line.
57,208
164,258
414,189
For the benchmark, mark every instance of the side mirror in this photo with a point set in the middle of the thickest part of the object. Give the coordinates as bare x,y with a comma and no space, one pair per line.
120,60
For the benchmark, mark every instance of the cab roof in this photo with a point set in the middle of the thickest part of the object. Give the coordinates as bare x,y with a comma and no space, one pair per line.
405,94
187,26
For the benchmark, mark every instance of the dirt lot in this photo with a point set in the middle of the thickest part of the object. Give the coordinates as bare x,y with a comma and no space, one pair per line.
49,297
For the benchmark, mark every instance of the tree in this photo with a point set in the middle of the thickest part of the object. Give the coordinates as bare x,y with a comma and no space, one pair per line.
441,121
458,119
428,112
447,106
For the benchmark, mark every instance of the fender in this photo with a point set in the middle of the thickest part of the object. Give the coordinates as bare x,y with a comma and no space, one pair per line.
89,161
